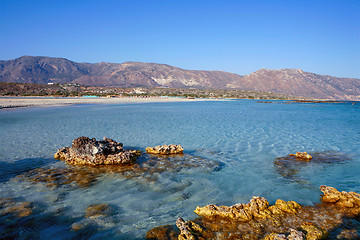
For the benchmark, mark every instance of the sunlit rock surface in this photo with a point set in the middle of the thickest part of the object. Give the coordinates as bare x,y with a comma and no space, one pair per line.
334,218
302,156
86,151
165,149
257,208
348,201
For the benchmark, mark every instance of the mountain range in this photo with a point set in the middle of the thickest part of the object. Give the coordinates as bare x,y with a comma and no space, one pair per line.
43,70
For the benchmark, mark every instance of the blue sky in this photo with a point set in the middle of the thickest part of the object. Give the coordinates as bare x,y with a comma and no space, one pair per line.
320,36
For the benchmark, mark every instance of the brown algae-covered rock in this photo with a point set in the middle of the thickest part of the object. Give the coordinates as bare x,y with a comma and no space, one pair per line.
302,156
86,151
290,167
58,177
165,149
98,210
11,206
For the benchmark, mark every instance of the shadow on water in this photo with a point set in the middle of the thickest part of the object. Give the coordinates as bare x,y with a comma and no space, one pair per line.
10,170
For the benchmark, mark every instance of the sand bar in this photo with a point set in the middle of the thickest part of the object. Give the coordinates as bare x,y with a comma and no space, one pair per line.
16,102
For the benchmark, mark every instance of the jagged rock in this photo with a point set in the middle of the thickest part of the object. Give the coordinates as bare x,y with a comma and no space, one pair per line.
165,149
283,220
348,200
302,156
188,230
257,208
294,235
313,232
165,232
86,151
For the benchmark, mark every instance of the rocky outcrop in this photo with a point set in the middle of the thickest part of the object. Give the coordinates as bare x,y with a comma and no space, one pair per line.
165,149
281,221
302,156
349,201
86,151
257,208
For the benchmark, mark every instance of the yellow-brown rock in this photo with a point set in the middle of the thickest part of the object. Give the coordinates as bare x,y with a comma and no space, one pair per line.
285,220
282,206
348,200
313,232
302,156
188,230
294,235
165,232
257,208
86,151
165,149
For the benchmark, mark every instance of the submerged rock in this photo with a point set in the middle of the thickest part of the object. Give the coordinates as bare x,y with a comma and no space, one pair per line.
290,166
165,149
58,177
86,151
98,210
302,156
284,220
16,208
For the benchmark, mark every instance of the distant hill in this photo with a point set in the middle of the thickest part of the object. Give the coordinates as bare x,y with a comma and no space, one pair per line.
42,70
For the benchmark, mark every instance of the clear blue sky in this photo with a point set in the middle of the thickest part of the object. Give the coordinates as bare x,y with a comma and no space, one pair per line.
320,36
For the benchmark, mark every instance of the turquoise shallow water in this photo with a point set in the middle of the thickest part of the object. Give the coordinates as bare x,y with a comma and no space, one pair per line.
242,138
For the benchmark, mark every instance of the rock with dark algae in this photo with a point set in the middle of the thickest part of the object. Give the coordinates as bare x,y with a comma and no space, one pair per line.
86,151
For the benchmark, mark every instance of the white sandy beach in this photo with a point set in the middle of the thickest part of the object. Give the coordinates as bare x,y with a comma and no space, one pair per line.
15,102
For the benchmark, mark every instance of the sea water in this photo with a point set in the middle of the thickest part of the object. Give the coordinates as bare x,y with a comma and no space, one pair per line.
243,138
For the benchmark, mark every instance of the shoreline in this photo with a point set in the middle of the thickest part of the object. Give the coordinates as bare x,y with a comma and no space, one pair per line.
23,102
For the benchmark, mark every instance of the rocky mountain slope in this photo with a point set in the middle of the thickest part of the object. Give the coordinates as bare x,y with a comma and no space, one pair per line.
42,70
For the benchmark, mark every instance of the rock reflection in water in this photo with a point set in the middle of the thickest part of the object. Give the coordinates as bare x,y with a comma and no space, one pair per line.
289,166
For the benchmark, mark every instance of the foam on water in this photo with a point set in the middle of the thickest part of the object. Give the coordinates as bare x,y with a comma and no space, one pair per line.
244,136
